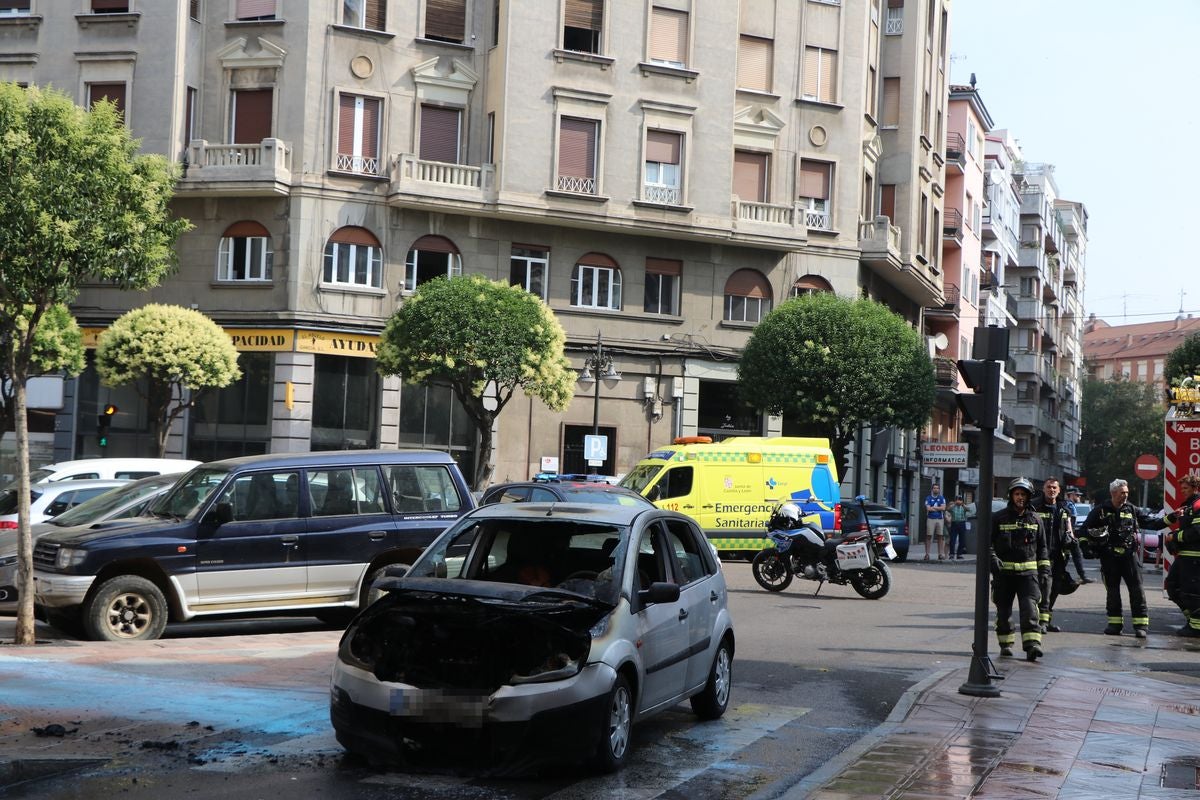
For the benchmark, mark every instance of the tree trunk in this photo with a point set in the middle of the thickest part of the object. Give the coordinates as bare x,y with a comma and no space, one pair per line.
25,626
483,464
158,400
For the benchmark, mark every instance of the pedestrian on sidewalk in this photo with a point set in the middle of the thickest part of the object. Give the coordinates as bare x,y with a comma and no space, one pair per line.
958,528
1018,559
1113,527
935,509
1073,497
1183,578
1057,522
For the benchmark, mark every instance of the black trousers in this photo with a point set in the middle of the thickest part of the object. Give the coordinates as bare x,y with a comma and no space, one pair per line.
1183,586
1048,586
1118,567
1025,590
1077,556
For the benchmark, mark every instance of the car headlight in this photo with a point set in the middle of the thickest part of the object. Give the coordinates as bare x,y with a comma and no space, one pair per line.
69,557
555,668
6,561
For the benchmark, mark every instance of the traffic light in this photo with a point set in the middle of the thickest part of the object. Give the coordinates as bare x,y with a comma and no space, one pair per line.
982,407
103,421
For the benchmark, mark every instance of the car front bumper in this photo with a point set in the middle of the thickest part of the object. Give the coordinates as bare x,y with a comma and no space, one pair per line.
53,590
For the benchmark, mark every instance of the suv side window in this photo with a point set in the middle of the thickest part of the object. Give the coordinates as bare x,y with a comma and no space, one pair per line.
690,562
132,474
263,495
338,492
418,489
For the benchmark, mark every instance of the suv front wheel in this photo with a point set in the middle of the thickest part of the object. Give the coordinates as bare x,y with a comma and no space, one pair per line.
125,608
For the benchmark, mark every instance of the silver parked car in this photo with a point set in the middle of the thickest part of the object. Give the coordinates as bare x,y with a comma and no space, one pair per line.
540,632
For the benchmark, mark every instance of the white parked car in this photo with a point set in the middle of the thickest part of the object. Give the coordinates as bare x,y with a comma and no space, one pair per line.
127,469
51,499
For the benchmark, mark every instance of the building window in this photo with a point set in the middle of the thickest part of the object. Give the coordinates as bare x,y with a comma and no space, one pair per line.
358,134
890,115
747,296
813,194
430,257
347,415
235,420
113,92
887,200
582,22
810,284
431,417
189,115
868,198
491,137
750,176
755,56
369,14
529,269
110,6
668,36
251,115
894,24
445,20
255,9
968,204
662,286
596,283
663,168
353,257
245,253
194,9
820,74
440,134
577,140
14,6
923,244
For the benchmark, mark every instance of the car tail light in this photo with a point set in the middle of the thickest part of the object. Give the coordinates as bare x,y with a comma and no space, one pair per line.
7,524
837,516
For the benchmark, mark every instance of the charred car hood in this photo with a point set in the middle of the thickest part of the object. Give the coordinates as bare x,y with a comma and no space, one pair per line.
471,637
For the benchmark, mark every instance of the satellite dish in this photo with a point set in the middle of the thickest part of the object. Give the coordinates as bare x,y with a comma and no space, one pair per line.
940,341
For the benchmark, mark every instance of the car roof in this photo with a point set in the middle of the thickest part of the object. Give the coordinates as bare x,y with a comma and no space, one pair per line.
570,488
61,487
585,512
84,463
333,458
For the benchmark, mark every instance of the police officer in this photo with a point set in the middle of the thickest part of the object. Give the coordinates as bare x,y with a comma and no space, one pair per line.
1019,559
1057,522
1183,578
1113,527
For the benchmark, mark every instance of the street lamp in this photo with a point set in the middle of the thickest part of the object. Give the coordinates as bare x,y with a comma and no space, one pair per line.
596,367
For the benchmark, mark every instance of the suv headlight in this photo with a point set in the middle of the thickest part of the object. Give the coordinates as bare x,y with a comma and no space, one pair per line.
69,557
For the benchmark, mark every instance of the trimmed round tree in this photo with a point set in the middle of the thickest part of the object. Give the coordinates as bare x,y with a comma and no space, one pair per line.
485,339
169,354
833,364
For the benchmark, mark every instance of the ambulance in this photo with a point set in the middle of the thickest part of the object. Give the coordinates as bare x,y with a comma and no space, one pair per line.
731,487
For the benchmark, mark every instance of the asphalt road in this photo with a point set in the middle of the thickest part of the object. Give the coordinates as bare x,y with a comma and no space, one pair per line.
239,709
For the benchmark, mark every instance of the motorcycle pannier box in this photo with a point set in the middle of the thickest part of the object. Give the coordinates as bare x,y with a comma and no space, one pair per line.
853,556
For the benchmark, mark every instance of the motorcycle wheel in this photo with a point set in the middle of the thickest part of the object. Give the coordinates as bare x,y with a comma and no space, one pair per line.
873,582
771,570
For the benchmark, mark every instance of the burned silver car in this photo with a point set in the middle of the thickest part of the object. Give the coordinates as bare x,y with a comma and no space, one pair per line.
536,631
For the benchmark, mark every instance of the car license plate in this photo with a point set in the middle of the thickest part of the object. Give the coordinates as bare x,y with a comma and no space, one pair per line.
432,705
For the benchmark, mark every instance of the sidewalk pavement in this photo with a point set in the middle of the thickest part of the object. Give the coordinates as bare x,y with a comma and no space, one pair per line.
1060,732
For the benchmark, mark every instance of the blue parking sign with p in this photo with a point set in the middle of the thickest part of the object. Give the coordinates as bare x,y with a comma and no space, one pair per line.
595,448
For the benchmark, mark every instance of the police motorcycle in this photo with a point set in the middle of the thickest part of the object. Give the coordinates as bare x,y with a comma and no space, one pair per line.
802,550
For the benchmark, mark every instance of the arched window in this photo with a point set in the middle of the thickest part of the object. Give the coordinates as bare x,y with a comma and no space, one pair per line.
810,284
747,296
596,282
430,257
353,257
245,253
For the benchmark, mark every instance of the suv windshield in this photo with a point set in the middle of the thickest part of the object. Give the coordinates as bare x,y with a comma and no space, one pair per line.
189,494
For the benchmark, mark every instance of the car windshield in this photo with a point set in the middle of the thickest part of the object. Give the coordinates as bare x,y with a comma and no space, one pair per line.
641,477
185,499
104,506
1083,509
582,558
598,495
8,500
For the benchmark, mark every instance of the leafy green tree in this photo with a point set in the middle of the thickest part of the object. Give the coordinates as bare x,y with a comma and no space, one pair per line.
480,337
77,203
1183,362
57,349
834,364
1120,420
170,355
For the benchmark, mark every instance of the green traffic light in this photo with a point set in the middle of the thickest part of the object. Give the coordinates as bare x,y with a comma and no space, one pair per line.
104,441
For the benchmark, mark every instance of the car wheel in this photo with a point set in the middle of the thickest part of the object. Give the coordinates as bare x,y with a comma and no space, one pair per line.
615,728
125,608
369,593
714,698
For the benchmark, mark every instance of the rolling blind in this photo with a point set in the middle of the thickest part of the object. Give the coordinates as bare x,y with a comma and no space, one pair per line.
445,19
754,63
577,147
814,180
668,35
663,147
439,134
750,176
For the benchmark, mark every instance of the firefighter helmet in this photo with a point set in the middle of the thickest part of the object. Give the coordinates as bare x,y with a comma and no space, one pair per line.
1020,483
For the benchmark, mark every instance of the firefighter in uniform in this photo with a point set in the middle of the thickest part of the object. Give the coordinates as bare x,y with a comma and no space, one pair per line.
1113,527
1019,560
1183,578
1057,523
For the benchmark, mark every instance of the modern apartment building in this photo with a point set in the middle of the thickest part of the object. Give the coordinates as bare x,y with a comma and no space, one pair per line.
662,173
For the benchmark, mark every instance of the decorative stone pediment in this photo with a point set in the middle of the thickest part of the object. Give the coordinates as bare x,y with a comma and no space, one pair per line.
756,126
873,148
243,54
445,72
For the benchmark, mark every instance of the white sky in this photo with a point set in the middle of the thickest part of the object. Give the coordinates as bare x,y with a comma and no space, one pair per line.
1105,91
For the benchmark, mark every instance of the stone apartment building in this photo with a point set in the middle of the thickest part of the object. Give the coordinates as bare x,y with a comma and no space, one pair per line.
1135,352
662,172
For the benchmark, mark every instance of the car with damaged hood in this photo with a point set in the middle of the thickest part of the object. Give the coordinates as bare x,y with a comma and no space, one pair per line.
536,632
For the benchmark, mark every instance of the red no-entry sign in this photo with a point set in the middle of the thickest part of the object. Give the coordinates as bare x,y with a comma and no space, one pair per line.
1147,467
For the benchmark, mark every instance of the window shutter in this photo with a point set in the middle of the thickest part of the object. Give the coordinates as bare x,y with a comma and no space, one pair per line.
434,244
354,235
663,147
828,76
577,148
445,19
668,35
346,124
812,65
246,228
887,201
110,5
251,115
376,16
107,91
748,283
370,127
664,266
754,63
757,18
750,176
891,101
439,134
194,9
585,14
814,180
255,9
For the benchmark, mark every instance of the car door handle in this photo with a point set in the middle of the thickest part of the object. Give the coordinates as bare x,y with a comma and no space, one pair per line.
713,596
683,613
290,541
377,535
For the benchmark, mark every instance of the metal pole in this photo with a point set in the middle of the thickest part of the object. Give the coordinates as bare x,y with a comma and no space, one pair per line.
979,681
596,367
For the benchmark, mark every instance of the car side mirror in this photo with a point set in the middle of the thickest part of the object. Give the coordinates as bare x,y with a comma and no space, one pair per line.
396,571
660,592
221,514
654,494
